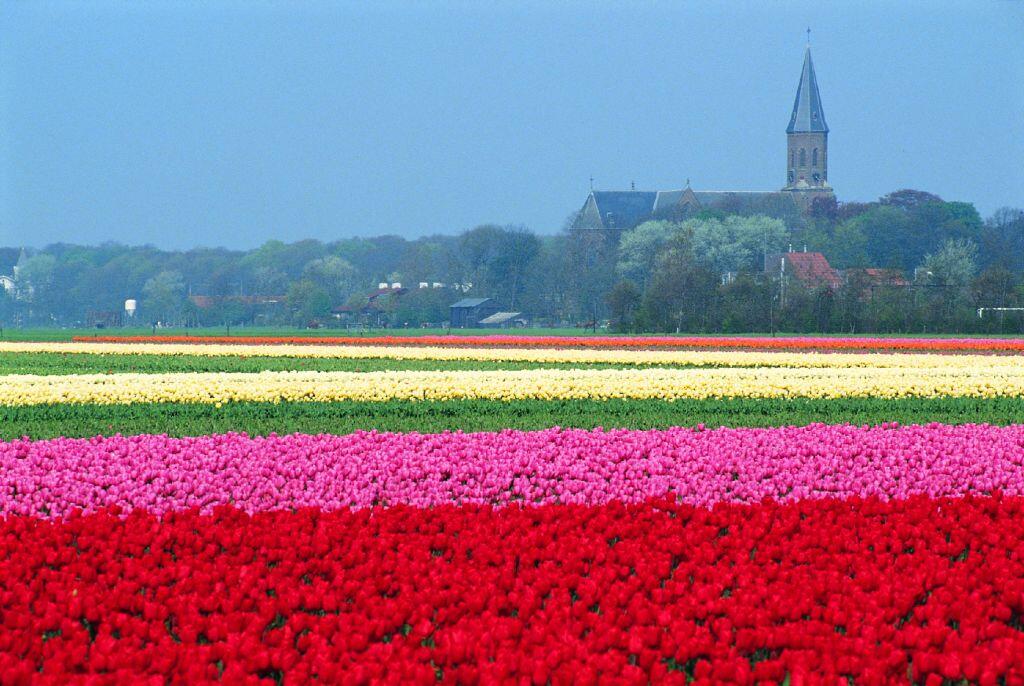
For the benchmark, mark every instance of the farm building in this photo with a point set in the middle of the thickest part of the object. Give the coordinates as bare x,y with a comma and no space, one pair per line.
503,320
469,312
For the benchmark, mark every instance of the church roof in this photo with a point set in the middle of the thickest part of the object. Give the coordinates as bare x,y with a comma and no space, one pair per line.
666,200
624,208
808,114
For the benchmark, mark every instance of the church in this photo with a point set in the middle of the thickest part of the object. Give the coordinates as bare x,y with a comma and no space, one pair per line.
806,178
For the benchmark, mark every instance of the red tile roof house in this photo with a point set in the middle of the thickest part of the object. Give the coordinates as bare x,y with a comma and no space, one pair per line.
809,268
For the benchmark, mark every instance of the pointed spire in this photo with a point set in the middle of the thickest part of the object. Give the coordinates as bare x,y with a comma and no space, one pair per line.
808,114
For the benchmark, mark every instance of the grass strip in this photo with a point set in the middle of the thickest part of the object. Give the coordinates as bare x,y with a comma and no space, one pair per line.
257,418
50,364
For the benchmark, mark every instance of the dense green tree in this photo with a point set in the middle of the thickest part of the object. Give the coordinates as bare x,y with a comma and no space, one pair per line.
497,261
623,304
954,264
746,303
589,270
421,306
997,287
680,294
546,294
1002,240
163,298
908,199
332,275
639,248
949,272
888,237
849,247
308,303
736,243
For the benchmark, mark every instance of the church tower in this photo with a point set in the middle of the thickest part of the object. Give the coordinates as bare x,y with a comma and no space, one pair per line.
807,139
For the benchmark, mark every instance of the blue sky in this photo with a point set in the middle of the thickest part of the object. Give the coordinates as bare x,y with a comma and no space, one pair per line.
231,123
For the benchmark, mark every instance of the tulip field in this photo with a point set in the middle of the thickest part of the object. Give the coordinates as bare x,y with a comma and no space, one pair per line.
503,509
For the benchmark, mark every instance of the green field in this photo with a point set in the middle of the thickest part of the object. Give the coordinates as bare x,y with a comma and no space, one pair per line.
50,421
91,363
42,334
13,334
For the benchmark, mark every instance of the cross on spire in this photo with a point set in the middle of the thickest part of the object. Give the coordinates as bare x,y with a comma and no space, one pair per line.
808,35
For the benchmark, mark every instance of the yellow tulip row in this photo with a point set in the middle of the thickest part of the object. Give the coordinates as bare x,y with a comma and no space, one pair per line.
650,383
697,358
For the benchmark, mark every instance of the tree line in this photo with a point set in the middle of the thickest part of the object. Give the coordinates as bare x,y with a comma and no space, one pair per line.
700,273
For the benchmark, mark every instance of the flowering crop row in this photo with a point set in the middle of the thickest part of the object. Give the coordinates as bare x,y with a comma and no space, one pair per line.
756,342
920,590
697,358
160,474
663,383
263,418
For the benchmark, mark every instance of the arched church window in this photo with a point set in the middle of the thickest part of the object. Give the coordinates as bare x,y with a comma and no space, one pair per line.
817,177
792,158
814,157
803,157
791,176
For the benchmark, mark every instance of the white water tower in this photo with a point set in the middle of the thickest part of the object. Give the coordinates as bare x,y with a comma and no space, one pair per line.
130,306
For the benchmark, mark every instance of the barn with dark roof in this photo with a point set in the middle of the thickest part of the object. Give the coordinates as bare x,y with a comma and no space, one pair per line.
469,312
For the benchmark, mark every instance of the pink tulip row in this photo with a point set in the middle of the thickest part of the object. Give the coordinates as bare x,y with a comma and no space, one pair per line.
53,478
505,340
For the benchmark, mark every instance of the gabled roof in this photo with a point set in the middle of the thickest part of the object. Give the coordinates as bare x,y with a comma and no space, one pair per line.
666,200
470,302
812,269
499,318
623,208
808,114
626,209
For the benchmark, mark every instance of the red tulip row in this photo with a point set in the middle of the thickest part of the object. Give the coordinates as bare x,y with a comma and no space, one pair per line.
917,589
507,341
